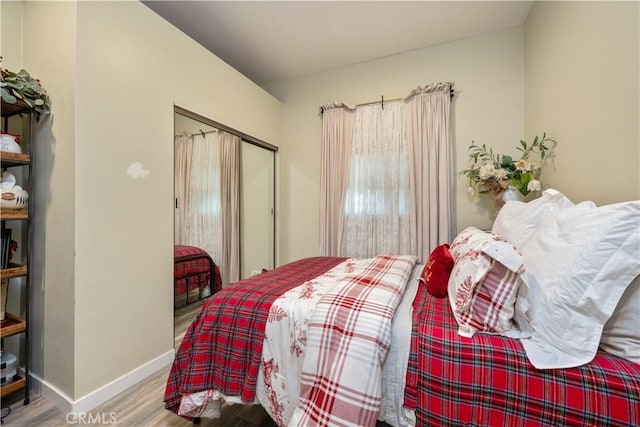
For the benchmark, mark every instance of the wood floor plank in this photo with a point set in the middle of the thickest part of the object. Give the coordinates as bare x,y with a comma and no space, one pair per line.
141,405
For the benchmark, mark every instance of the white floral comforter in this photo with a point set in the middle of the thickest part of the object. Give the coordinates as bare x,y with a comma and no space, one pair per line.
301,351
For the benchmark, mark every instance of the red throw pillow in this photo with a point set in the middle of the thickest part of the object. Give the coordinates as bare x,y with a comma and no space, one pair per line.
437,270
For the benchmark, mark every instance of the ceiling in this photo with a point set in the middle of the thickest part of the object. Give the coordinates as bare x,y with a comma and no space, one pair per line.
271,41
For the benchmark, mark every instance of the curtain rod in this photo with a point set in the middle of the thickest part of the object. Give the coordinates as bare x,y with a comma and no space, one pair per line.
201,132
382,101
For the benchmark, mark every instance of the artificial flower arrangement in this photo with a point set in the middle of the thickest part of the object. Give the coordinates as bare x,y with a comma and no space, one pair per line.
489,172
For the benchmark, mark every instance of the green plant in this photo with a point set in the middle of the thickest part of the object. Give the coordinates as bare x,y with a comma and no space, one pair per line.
489,171
21,86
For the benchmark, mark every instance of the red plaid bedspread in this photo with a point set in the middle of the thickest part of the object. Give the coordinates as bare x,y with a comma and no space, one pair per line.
487,380
196,269
222,348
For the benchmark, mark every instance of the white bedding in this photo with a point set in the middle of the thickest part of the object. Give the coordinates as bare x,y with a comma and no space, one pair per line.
284,345
394,369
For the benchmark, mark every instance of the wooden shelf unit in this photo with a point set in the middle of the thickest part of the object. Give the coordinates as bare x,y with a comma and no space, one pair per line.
19,107
17,383
13,324
14,159
6,214
14,270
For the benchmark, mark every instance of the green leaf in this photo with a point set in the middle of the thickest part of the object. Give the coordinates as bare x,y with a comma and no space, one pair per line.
521,183
7,97
15,85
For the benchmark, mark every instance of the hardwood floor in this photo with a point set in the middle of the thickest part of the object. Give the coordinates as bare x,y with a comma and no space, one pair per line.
141,405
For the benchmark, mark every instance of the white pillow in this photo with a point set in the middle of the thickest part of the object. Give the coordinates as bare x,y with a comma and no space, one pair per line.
578,264
621,334
516,221
484,283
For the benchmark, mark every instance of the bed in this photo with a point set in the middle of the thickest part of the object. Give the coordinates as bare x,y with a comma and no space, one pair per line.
488,381
291,339
194,270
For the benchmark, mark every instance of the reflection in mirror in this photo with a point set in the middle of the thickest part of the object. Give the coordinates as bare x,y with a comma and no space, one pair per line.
224,211
207,171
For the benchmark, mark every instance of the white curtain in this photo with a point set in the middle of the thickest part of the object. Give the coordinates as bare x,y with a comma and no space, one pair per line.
230,206
377,201
204,210
182,169
397,196
337,132
207,190
428,127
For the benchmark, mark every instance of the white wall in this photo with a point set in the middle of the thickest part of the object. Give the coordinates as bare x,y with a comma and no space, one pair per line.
114,71
48,50
488,75
132,227
582,86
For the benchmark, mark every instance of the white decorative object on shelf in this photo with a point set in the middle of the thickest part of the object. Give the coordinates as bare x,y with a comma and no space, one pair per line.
13,196
8,180
10,143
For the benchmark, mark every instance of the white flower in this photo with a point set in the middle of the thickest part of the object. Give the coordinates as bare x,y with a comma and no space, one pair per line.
534,185
523,165
500,174
487,171
471,191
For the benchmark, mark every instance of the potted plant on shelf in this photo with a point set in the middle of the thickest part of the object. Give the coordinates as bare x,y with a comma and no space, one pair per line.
21,86
506,178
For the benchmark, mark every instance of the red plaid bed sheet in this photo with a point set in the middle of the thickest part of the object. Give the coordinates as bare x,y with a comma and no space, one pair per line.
196,269
222,348
488,381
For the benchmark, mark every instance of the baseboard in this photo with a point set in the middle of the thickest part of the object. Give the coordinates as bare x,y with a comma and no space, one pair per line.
51,393
104,393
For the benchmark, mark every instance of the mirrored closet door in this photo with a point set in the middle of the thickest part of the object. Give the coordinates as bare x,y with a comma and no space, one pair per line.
228,208
257,225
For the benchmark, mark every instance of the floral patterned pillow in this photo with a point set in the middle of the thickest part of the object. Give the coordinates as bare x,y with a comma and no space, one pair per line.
471,239
484,284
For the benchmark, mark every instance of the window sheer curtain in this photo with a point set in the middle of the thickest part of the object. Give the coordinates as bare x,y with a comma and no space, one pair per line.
376,211
207,176
204,211
398,194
